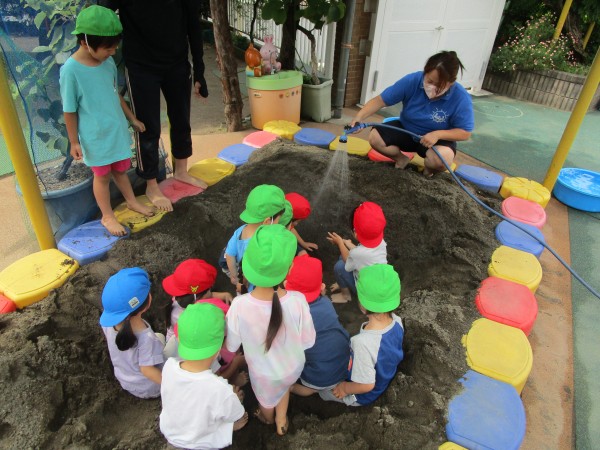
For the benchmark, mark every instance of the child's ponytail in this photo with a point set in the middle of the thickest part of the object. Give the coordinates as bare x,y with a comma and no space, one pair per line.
126,338
184,301
275,321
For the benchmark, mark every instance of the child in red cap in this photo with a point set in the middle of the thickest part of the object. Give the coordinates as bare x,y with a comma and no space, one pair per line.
190,283
300,211
327,361
368,223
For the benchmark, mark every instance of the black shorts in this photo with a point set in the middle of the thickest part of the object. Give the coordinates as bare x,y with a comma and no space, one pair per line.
406,142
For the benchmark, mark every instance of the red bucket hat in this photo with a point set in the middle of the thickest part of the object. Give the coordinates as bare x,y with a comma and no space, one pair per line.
306,276
369,223
192,276
300,205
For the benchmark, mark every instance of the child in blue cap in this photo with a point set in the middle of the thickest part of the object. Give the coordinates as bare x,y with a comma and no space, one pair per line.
135,350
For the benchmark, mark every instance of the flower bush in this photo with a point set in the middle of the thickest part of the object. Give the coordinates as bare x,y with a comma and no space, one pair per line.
532,48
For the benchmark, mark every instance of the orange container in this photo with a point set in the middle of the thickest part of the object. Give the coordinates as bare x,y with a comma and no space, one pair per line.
275,97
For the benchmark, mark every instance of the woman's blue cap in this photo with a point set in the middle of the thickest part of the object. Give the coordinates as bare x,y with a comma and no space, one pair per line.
123,293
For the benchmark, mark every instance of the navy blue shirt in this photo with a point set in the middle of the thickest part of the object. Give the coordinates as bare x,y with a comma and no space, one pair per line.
326,361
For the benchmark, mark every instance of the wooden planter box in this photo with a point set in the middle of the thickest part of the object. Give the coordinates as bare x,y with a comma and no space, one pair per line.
551,88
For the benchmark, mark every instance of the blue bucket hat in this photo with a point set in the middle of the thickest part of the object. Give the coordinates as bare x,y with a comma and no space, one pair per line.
123,294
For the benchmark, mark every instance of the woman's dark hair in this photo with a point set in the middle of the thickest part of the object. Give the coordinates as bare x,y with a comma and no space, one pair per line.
125,336
447,65
95,42
184,301
275,321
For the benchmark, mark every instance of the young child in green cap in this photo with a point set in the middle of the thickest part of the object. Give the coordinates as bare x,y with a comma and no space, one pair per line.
96,115
377,349
274,325
200,409
264,206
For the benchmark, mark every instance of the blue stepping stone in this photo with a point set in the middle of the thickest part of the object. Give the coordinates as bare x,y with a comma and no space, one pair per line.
314,136
485,179
236,154
88,242
487,414
511,236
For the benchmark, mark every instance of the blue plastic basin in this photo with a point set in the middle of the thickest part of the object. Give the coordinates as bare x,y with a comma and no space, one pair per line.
579,189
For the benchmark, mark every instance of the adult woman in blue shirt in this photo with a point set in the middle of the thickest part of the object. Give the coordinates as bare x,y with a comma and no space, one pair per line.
433,106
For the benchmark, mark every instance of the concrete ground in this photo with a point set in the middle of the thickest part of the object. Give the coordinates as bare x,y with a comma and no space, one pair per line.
513,137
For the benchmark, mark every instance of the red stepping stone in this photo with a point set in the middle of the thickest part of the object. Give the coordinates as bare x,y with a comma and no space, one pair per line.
525,211
259,139
6,305
374,155
175,190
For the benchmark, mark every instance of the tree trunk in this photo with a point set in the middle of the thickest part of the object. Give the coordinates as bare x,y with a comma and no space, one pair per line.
314,64
287,56
232,97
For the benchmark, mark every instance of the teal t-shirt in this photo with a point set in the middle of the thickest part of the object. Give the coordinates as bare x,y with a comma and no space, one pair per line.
92,93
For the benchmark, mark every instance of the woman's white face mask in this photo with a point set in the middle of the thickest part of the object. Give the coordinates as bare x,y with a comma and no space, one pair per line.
431,90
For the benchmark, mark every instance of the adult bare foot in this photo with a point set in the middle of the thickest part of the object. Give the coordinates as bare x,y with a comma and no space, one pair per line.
241,422
137,206
157,198
241,379
185,177
113,226
341,297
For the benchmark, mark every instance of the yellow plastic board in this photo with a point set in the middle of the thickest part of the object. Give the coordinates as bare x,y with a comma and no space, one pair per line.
135,220
30,279
282,128
526,189
499,351
517,266
354,146
451,446
420,163
211,170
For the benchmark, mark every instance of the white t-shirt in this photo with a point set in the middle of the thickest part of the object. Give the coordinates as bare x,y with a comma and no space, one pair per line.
198,408
361,256
176,311
147,352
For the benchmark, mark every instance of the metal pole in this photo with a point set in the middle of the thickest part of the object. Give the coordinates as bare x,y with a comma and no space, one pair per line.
577,116
587,35
562,19
19,155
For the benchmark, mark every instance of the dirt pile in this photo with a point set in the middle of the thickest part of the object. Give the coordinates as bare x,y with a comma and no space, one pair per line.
57,386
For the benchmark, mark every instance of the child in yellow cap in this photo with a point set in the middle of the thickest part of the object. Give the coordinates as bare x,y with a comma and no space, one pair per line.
273,325
200,410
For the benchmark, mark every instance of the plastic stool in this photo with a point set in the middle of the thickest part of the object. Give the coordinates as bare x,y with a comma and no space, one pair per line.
526,189
506,302
483,178
451,446
31,278
134,220
517,266
499,351
524,211
511,236
487,414
88,242
314,136
211,170
175,190
6,305
259,139
354,146
236,154
282,128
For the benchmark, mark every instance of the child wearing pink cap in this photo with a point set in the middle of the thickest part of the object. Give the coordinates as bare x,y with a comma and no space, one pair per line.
300,211
368,223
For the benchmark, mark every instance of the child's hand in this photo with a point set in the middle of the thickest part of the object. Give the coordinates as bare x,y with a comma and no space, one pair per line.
349,244
234,280
339,390
76,152
138,126
335,238
310,246
226,297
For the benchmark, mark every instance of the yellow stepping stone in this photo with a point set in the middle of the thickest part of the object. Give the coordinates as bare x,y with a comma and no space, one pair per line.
517,266
282,128
354,146
420,163
451,446
211,170
499,351
526,189
30,279
135,220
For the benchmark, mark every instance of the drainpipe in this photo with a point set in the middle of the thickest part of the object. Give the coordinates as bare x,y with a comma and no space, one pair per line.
344,58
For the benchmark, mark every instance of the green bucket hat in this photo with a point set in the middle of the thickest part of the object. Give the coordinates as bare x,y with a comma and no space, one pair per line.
98,21
288,214
378,288
264,201
269,255
200,331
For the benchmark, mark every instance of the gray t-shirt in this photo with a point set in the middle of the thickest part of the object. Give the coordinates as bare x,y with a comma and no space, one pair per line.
361,256
147,352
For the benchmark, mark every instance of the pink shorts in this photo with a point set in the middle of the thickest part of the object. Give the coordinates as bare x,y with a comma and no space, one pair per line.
119,166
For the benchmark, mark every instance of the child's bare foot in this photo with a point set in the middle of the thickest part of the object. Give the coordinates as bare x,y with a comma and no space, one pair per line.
282,429
158,199
113,226
185,177
137,206
341,297
401,161
334,288
240,379
241,422
427,173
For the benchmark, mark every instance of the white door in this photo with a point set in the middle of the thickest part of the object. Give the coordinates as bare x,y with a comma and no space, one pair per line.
407,32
